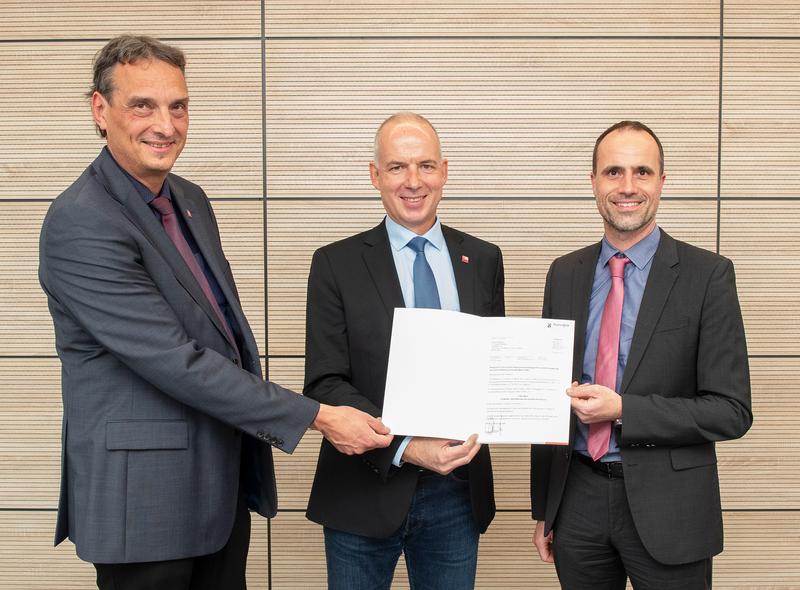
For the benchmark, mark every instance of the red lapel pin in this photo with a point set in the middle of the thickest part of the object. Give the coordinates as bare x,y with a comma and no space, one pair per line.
465,259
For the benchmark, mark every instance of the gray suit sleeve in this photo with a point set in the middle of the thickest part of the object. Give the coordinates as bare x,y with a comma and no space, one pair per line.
93,269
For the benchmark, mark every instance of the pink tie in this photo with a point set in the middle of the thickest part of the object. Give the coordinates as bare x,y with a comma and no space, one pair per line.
170,222
605,370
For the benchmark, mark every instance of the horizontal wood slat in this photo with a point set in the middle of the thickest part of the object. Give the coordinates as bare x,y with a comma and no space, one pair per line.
766,18
367,18
761,239
760,470
30,433
98,19
516,117
761,128
28,560
25,324
41,98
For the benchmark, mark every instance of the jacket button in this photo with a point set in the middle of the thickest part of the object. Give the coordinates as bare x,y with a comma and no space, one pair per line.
235,362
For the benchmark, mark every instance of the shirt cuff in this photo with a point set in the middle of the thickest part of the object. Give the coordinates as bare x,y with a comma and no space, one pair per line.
398,456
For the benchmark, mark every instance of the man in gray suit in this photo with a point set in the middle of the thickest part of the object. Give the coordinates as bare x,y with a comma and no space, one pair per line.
167,422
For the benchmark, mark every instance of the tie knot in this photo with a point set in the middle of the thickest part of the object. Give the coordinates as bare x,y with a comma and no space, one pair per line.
418,244
617,265
163,205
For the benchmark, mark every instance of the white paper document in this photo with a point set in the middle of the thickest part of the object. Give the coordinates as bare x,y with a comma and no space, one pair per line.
453,374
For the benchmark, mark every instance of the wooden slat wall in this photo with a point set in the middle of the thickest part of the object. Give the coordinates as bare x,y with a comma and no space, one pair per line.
93,19
519,90
517,117
28,560
41,98
368,18
761,238
767,18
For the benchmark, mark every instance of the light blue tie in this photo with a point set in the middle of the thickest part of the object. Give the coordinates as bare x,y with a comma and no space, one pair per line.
425,292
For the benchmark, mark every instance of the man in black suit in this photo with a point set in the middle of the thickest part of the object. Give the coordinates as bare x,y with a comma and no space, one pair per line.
662,379
427,498
168,425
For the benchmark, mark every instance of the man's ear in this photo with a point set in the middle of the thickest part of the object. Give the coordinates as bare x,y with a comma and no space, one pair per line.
373,174
99,109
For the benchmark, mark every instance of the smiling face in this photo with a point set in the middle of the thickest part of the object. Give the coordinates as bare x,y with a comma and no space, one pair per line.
146,119
409,172
627,185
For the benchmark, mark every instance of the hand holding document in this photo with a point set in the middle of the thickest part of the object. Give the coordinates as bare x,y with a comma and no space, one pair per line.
453,374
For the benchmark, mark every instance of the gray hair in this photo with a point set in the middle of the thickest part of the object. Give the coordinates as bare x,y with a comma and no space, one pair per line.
128,49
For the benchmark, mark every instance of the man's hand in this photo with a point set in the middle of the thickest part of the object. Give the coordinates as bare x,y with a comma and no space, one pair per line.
544,545
351,431
440,455
595,403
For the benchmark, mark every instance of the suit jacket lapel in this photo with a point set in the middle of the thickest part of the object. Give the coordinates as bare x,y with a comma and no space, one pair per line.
198,227
662,277
135,209
378,258
581,291
582,280
463,271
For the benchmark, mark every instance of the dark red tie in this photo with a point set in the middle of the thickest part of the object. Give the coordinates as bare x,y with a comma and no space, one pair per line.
170,222
605,370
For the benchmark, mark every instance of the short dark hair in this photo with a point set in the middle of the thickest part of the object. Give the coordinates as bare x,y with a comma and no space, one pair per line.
128,49
636,126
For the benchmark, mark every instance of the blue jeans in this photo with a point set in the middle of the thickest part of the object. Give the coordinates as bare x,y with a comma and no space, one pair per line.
438,537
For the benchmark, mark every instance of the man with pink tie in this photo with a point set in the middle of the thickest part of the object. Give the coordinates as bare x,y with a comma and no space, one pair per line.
661,374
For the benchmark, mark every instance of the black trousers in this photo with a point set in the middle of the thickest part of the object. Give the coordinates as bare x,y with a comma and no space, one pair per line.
223,570
596,546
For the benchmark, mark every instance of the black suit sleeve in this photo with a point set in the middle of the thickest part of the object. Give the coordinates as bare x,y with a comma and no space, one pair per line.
328,374
541,455
720,410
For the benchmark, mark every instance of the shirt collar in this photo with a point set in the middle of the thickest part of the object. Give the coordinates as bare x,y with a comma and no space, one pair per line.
640,254
399,236
143,191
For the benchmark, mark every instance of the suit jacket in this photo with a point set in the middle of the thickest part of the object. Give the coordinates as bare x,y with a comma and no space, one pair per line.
353,290
686,386
156,400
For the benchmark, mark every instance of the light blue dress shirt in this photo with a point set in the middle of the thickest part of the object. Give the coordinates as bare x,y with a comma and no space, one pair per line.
636,273
438,257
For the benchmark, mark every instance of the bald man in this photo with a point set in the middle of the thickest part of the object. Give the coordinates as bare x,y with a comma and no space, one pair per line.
427,498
